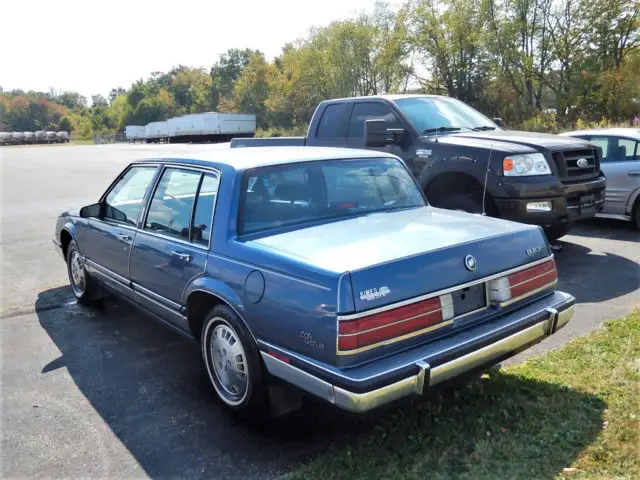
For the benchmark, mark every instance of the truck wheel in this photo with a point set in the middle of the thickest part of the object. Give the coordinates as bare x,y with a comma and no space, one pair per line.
466,202
554,232
233,363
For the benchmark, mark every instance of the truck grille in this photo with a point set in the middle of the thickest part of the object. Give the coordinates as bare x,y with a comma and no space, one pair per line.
579,164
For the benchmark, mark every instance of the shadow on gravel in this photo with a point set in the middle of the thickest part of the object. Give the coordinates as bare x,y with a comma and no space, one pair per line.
148,385
595,276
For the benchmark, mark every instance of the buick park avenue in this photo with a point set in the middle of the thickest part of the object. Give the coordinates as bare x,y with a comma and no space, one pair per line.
322,269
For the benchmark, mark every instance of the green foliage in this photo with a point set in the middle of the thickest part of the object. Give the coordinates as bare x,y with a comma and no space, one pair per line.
516,59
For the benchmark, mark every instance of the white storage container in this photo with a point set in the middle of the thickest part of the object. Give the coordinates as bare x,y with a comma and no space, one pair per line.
157,130
135,132
212,123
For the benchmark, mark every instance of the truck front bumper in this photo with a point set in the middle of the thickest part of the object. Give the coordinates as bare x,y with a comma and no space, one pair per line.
448,358
577,201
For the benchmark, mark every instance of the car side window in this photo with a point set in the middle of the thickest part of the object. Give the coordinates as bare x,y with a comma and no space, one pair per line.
172,203
603,143
366,111
205,205
629,153
331,120
124,201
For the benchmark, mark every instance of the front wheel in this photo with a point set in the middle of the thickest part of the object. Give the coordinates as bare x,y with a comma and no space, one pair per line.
554,232
233,363
78,276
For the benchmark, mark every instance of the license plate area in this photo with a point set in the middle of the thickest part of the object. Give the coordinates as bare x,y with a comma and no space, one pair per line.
469,299
587,204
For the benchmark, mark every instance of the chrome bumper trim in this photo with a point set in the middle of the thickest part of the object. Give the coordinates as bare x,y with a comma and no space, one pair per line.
427,376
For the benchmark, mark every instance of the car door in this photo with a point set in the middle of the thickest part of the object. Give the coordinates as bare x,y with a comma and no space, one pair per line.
621,166
171,247
107,239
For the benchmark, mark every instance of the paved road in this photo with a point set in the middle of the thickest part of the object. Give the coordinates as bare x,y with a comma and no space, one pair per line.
110,393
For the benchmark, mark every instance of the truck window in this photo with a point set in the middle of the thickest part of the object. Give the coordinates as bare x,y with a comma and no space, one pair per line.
283,195
366,111
331,120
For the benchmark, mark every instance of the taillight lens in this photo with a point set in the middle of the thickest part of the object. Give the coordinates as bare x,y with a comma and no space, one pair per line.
409,319
523,283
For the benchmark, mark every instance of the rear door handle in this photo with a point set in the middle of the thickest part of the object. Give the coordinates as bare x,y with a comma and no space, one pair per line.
182,256
635,173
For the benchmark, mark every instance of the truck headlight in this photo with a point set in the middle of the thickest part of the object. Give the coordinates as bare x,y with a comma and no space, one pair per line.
525,165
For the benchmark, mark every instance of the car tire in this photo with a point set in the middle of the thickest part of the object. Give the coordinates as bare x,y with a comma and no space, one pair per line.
233,365
636,215
557,231
79,278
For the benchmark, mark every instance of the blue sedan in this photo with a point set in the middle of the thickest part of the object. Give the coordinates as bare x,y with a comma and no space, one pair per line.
322,268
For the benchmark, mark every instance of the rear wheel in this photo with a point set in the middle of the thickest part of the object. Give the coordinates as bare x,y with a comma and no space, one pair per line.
233,363
636,214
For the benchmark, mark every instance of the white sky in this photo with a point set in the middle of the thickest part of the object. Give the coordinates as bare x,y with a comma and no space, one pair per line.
96,45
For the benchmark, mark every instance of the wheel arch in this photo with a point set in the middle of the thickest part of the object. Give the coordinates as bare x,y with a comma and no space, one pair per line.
456,182
203,295
67,234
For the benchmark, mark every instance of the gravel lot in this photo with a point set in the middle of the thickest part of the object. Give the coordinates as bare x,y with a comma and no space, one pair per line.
109,393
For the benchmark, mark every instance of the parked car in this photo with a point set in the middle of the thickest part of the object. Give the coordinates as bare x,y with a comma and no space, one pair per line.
621,165
455,151
322,267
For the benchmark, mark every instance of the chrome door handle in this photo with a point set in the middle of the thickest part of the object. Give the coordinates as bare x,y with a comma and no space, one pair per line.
125,238
182,256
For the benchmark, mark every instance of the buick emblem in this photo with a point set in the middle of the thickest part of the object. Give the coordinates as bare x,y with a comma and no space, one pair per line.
582,162
470,262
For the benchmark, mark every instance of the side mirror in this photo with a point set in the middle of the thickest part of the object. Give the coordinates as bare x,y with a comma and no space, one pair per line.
377,134
90,211
498,121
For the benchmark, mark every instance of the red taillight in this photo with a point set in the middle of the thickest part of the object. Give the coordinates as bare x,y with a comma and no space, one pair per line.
523,283
416,317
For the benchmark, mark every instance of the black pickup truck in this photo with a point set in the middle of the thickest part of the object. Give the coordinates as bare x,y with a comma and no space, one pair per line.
464,160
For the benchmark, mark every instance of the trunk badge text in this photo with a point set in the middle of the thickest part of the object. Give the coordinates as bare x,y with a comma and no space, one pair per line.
531,251
374,293
470,262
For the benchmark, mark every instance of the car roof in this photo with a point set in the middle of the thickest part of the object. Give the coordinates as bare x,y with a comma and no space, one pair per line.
624,131
243,158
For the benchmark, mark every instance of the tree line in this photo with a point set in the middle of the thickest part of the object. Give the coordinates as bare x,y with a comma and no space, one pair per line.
538,64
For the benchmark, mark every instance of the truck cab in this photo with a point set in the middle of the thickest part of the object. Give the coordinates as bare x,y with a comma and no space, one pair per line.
464,160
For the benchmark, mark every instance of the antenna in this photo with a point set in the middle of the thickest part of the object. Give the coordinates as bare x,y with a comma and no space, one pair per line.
486,176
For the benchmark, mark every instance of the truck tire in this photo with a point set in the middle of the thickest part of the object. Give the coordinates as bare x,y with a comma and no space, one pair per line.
554,232
233,364
466,202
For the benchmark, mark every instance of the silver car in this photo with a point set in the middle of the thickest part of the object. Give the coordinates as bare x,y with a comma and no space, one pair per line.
621,167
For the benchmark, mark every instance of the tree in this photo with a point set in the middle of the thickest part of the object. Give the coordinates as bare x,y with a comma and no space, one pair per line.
226,71
98,100
251,89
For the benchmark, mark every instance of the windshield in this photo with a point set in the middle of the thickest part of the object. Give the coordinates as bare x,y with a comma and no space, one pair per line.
283,195
444,114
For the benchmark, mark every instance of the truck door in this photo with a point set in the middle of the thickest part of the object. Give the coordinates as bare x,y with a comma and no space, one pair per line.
375,110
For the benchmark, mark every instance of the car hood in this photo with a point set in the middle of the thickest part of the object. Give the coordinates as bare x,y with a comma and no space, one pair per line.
515,140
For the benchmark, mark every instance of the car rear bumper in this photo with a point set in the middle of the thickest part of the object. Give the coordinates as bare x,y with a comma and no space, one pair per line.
478,348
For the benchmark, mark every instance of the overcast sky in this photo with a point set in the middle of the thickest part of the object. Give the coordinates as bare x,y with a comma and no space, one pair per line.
94,46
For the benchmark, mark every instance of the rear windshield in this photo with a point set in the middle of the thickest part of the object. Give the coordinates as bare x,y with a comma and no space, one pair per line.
283,195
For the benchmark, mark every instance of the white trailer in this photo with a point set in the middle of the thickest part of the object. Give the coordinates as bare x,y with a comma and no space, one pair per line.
156,132
135,132
211,126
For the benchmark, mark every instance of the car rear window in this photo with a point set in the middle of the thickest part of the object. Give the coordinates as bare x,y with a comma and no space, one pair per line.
283,195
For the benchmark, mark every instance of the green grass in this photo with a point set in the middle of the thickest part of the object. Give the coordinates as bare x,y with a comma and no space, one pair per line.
576,408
